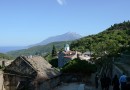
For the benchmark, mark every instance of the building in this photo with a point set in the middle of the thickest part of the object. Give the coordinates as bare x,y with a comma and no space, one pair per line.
66,55
30,73
67,47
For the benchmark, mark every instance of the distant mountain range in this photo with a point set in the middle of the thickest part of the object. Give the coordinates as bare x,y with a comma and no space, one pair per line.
69,36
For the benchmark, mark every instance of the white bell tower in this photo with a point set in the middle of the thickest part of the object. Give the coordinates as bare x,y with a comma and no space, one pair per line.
67,47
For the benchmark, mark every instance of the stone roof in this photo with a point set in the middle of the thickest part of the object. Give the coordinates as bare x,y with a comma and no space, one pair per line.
42,67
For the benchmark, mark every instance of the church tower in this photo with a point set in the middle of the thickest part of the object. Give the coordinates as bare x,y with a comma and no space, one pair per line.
67,47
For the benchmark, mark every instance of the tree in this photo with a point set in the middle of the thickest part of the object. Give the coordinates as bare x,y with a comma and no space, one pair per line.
79,66
54,52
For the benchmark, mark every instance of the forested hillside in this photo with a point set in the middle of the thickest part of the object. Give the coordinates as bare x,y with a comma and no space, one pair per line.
111,41
121,26
39,50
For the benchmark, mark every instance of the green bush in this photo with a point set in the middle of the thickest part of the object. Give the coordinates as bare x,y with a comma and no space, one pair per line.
54,62
79,66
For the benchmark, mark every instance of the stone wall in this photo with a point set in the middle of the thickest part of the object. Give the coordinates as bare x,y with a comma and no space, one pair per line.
1,81
67,78
63,60
11,81
60,59
49,84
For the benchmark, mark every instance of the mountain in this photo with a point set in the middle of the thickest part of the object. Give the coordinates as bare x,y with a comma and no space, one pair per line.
10,48
40,49
46,45
69,36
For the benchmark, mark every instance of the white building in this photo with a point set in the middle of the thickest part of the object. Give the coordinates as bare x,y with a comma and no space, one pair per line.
66,55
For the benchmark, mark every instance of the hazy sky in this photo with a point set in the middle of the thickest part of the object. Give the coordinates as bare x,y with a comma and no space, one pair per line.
25,22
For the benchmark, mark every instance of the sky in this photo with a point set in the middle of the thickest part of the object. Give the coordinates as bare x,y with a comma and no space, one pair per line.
27,22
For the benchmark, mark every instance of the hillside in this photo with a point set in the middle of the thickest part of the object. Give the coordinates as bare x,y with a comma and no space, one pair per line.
120,26
4,56
111,41
64,37
39,50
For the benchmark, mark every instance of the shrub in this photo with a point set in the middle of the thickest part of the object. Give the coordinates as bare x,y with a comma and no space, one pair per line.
79,66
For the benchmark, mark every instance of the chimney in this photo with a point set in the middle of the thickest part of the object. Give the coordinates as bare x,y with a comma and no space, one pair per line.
3,63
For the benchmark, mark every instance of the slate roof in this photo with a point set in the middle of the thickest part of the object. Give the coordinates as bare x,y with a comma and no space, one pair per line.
41,66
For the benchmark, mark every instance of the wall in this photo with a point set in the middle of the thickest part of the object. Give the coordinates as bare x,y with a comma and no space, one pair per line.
1,81
60,59
71,77
63,60
11,81
49,84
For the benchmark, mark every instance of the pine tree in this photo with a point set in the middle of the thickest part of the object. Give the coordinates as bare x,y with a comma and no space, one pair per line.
54,52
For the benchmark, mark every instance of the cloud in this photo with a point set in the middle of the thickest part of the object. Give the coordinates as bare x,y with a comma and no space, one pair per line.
61,2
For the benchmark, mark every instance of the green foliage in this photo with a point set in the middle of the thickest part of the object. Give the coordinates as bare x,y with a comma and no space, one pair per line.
79,66
39,50
48,57
52,60
121,26
54,52
110,41
4,56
